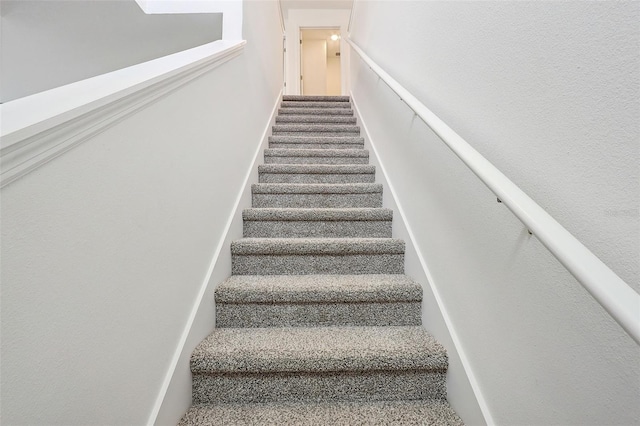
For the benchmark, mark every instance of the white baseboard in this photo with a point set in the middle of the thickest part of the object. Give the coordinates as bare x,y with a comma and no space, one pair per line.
182,351
457,351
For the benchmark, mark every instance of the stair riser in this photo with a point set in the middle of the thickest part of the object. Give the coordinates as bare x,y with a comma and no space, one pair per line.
312,98
317,314
316,178
322,127
296,104
312,145
342,112
315,160
318,200
317,229
349,386
415,412
317,264
327,133
315,119
307,138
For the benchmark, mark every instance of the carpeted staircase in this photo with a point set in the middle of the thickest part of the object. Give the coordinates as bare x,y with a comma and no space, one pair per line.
318,325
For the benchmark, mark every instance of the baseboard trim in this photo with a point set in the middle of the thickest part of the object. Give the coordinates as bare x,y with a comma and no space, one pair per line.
206,282
475,387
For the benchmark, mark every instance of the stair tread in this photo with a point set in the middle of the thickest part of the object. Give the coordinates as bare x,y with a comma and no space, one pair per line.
316,139
318,214
298,152
318,289
316,127
315,104
292,118
318,246
417,412
316,188
315,111
317,168
318,350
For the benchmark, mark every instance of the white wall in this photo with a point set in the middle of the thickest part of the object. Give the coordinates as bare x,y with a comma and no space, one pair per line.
262,66
231,11
106,249
460,391
46,44
313,18
549,93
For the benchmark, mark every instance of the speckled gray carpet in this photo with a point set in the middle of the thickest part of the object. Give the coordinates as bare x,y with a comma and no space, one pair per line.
318,325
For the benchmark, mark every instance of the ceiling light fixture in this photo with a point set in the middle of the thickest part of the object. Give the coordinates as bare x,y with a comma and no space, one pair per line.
335,37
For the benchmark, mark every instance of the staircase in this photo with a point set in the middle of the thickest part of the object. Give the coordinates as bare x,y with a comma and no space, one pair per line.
318,325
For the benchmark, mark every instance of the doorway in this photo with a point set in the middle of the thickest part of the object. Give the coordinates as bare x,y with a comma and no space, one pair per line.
320,61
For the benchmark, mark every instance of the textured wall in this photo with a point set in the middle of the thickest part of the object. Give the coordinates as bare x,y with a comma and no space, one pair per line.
105,249
547,91
46,44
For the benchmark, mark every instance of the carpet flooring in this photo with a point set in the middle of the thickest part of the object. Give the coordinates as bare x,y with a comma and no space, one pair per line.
318,324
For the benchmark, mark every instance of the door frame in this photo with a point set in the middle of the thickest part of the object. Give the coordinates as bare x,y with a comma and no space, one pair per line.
310,19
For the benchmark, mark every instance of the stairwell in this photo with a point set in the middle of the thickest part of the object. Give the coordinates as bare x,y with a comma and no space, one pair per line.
318,323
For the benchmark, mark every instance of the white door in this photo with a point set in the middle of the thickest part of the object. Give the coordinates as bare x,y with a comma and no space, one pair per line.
314,67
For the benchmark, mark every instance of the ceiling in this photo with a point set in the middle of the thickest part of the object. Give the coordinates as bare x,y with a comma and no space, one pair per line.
315,4
324,34
319,34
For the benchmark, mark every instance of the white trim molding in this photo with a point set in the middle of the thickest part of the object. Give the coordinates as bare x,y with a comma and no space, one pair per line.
455,339
619,299
314,18
38,128
182,351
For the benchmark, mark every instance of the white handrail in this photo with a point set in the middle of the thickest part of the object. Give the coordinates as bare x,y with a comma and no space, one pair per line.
615,295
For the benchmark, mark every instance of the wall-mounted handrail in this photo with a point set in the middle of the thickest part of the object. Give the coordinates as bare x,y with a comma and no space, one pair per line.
615,295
